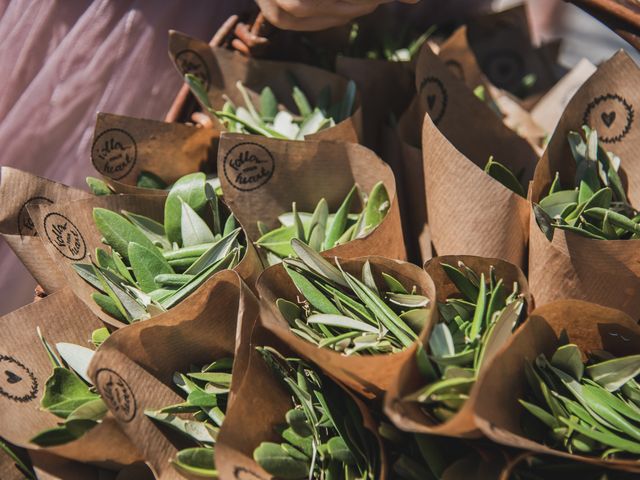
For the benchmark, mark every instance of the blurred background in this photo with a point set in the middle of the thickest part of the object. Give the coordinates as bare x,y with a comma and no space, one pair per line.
63,61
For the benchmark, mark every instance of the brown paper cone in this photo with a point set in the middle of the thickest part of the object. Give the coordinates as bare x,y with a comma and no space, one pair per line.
71,236
408,147
589,326
503,48
368,375
572,266
409,416
220,69
305,172
26,367
260,406
18,190
123,147
140,360
377,80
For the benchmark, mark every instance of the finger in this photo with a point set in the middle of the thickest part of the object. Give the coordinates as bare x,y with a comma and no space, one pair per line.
284,20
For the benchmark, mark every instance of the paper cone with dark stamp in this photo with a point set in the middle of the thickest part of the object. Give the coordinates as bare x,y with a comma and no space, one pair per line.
18,191
25,367
591,327
134,369
220,69
260,407
409,415
570,265
124,148
71,237
469,211
261,177
369,375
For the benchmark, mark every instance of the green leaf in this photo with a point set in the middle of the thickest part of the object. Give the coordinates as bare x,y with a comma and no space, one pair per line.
304,107
341,321
318,225
339,450
99,335
191,190
106,303
197,461
505,176
153,230
275,460
375,210
462,283
52,437
198,89
147,264
193,229
555,203
98,187
268,104
278,241
569,359
316,263
346,106
195,430
612,374
86,271
64,392
298,422
150,180
479,313
118,231
311,293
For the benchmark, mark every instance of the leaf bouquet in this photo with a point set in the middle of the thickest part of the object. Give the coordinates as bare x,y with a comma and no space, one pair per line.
477,320
154,266
200,416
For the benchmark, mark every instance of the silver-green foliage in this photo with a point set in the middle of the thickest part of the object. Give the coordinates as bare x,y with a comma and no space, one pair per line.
271,120
323,436
199,418
596,205
351,315
590,408
321,230
476,322
153,266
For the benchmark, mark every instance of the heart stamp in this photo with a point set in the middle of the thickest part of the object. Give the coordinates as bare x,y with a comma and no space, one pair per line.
611,115
17,381
433,91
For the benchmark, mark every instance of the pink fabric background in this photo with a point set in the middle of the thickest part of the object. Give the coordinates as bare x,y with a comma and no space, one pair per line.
62,62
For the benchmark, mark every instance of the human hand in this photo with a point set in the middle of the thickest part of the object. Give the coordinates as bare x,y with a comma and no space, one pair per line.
312,15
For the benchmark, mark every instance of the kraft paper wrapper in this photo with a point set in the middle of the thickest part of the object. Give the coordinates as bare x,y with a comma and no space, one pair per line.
220,69
550,107
406,140
572,266
81,237
409,416
260,406
502,45
589,326
123,147
305,172
61,318
368,375
385,87
142,359
18,190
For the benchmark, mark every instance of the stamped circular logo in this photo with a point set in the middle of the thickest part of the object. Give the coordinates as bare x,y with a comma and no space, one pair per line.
17,382
190,61
117,394
435,95
455,68
65,236
243,473
504,68
611,116
26,228
248,166
114,153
